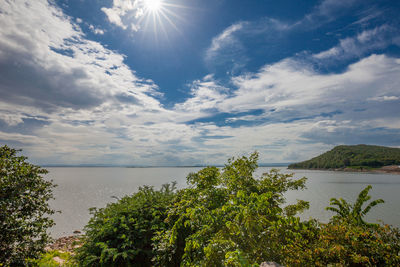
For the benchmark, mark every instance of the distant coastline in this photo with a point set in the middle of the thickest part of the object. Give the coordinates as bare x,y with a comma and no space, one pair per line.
355,158
130,166
393,169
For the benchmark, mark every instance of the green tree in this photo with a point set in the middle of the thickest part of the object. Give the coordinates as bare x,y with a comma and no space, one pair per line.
345,244
347,240
354,213
230,217
121,233
24,208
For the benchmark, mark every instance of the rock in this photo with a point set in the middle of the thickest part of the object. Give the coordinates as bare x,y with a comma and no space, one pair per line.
77,232
58,260
270,264
65,244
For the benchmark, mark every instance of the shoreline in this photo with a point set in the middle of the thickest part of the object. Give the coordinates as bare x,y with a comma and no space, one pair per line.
65,243
384,170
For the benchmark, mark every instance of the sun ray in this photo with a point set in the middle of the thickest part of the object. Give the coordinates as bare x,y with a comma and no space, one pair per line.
159,17
170,21
153,5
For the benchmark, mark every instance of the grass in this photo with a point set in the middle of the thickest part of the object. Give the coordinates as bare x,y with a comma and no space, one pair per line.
47,259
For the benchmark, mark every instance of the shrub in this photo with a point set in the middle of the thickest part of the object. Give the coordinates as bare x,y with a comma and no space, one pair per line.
353,213
347,240
347,244
24,208
48,259
227,217
121,233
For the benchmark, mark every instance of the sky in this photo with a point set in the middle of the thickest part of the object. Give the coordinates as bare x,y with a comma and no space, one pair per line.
195,82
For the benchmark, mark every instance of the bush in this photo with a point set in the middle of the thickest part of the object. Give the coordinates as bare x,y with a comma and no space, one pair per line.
121,233
47,259
347,244
24,208
227,217
347,240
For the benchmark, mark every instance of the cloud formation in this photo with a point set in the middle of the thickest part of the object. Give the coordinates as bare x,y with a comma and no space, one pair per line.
366,41
66,99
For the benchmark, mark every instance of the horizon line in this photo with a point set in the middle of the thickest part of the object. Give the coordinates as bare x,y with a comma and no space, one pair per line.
277,164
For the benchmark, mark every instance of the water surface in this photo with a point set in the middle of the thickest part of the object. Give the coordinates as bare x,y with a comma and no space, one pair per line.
82,188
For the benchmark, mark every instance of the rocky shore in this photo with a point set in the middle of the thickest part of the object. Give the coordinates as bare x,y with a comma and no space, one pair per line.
66,243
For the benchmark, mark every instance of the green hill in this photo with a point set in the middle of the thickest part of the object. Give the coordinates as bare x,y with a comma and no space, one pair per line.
357,157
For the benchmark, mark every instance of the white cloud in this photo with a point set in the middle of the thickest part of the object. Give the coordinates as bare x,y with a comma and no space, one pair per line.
206,95
96,30
289,85
224,39
64,68
122,11
66,99
10,118
229,51
384,98
366,41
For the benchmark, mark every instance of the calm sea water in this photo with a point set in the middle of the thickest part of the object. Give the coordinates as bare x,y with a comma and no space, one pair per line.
82,188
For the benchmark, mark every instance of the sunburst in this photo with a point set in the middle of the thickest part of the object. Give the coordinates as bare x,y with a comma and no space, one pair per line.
160,14
153,5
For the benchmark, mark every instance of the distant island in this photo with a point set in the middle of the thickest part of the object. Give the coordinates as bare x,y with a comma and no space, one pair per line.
355,158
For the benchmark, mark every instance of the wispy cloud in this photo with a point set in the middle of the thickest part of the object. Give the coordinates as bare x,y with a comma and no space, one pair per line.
366,41
229,52
225,39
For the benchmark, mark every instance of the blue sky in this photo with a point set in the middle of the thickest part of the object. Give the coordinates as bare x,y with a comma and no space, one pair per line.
183,82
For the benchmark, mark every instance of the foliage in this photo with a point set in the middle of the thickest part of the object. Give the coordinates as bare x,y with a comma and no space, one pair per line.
229,217
47,259
356,157
354,214
347,240
345,244
24,208
121,233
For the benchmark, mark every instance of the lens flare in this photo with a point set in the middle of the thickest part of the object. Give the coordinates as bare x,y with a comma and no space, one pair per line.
153,5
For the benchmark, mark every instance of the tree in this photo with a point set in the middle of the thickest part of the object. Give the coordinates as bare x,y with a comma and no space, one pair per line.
229,217
121,233
24,208
354,213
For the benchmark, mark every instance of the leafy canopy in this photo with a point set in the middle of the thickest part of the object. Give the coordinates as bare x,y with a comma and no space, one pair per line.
24,208
354,213
228,216
121,233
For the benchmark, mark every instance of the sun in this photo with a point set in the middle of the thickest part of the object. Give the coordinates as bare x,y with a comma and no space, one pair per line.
153,5
156,15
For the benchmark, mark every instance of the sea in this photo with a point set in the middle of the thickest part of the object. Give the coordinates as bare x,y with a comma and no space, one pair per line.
80,188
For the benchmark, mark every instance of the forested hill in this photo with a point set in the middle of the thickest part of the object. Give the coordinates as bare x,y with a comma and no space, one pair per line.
357,156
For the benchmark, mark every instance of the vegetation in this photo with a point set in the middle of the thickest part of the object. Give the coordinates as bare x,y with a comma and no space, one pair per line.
356,157
354,214
347,240
47,259
345,244
228,217
24,208
121,233
225,217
